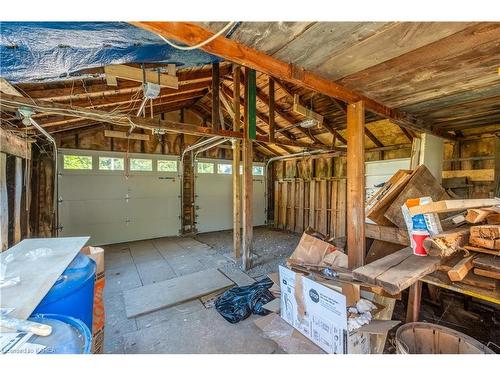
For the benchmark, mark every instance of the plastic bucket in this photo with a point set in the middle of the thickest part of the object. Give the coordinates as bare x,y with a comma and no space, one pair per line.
69,335
427,338
73,292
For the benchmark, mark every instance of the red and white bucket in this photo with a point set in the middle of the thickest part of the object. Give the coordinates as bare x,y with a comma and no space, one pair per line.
417,238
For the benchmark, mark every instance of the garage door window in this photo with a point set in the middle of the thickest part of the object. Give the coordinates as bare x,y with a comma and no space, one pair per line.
110,164
167,166
224,168
258,171
144,165
77,162
206,168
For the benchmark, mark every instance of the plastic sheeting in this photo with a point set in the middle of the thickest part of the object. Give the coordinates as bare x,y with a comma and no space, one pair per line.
34,51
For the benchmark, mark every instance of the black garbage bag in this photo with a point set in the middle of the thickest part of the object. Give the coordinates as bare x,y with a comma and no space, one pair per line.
239,303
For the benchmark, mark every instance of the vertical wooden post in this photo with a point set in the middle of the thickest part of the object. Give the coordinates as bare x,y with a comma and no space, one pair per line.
215,97
249,132
496,191
414,300
356,184
236,166
18,191
4,205
271,110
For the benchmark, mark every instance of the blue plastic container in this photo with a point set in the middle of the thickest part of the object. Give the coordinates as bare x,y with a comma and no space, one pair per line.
73,292
69,335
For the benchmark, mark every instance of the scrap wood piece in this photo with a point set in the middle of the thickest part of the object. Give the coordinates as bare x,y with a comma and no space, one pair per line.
446,243
408,272
450,205
485,242
493,219
382,199
38,263
421,184
380,249
491,232
462,268
479,281
273,306
487,273
478,215
388,234
370,272
481,250
152,297
487,262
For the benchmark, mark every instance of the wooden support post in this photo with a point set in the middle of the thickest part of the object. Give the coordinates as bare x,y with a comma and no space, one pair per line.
496,191
356,184
414,300
249,131
271,110
236,166
216,124
18,192
4,205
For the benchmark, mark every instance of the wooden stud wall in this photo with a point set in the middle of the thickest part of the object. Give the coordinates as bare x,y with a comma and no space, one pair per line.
317,203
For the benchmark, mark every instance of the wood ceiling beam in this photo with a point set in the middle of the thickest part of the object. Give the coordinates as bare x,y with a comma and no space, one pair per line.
191,34
14,102
372,138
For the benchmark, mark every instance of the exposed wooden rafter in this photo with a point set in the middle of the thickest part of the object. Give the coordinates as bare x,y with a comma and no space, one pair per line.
239,53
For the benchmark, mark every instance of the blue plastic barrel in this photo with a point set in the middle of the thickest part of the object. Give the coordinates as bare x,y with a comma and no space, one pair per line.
73,292
69,335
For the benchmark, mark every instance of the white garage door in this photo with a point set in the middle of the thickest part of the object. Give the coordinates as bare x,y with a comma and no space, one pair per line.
115,198
214,195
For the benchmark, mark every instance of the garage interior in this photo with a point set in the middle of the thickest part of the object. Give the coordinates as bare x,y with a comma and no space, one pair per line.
221,157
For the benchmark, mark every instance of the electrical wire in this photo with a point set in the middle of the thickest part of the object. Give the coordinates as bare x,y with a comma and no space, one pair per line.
201,44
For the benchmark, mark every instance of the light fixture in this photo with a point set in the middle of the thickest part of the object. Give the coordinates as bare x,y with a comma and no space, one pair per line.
308,123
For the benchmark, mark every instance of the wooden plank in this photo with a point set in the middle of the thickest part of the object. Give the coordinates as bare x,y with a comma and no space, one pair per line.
18,192
136,74
487,262
312,203
383,198
453,205
190,34
341,212
291,223
37,272
356,184
236,177
461,269
272,125
216,121
496,189
284,203
421,184
333,208
126,135
277,200
153,297
323,201
370,272
485,231
389,234
408,272
485,243
481,250
299,224
487,273
471,174
13,145
4,205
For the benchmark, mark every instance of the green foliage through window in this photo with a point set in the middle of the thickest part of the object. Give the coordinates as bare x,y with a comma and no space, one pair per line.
141,165
205,168
167,166
111,164
77,162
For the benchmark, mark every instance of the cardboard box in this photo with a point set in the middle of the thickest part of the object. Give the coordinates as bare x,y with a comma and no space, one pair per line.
97,255
320,313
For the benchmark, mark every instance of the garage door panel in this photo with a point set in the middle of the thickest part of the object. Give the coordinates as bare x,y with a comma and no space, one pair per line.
112,208
81,187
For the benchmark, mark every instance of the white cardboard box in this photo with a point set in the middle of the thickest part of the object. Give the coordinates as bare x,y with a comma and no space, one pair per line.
320,314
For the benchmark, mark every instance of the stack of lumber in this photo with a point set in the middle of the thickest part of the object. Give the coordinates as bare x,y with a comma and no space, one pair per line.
485,239
479,270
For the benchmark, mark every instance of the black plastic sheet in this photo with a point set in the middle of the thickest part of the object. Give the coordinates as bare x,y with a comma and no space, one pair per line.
239,303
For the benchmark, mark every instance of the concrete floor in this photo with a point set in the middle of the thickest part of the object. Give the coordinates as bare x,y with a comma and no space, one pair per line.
189,327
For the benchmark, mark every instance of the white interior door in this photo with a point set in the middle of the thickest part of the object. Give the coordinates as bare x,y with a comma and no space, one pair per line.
214,195
115,199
